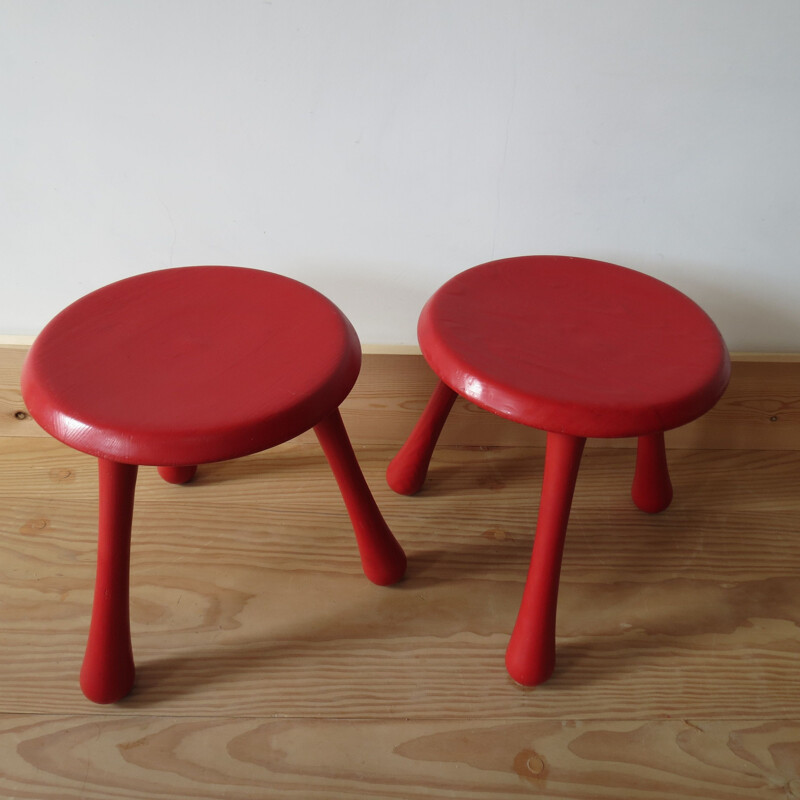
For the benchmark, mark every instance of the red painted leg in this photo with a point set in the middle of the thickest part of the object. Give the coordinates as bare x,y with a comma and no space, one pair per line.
108,671
407,470
382,557
652,488
177,474
530,657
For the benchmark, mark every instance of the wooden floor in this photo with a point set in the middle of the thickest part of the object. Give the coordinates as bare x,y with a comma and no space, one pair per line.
268,666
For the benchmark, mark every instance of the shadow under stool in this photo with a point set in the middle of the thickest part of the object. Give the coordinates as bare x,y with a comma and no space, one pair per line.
186,366
578,348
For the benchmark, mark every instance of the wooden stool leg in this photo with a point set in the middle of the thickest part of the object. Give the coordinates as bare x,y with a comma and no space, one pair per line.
652,488
407,470
177,474
382,557
107,673
530,657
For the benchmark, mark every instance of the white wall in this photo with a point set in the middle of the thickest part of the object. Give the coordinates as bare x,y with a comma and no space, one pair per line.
373,148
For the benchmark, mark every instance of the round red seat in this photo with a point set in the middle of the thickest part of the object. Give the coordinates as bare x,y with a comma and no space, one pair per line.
185,366
575,346
190,365
578,348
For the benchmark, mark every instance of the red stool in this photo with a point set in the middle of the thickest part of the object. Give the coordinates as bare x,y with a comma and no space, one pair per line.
187,366
577,348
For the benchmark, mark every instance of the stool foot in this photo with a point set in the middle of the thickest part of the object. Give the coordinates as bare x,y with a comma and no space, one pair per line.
382,558
407,470
530,657
652,488
177,474
108,671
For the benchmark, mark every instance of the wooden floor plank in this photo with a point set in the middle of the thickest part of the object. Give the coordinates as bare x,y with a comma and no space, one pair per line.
82,758
248,600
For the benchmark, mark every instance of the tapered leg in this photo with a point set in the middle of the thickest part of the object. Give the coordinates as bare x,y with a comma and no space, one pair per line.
652,488
530,657
382,557
108,671
177,474
407,470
